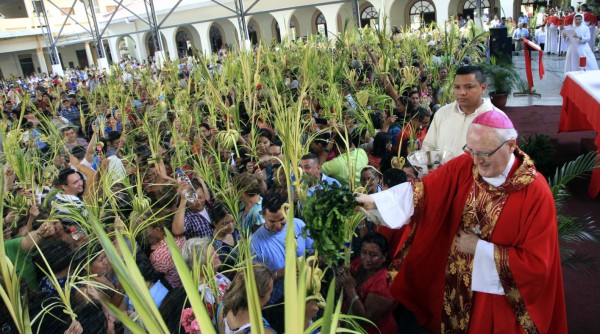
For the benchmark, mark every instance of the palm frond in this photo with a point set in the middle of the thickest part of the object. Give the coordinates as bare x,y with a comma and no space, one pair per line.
568,172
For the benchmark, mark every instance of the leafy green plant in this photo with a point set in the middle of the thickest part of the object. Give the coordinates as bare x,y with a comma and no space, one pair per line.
541,150
573,231
503,76
327,213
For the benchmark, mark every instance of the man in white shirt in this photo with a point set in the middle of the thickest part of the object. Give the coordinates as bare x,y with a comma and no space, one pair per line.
448,130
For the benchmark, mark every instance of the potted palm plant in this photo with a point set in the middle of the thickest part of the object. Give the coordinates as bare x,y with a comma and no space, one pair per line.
504,78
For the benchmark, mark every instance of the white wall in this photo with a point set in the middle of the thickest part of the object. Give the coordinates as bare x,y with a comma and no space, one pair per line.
68,54
10,65
13,9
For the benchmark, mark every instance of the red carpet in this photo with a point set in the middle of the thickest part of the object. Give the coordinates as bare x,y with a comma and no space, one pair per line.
582,291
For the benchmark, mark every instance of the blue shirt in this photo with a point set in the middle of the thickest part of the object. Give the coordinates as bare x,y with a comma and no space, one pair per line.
324,178
269,248
253,218
71,114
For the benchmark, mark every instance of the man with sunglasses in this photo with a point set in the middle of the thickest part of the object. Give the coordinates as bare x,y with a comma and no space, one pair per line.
482,255
448,130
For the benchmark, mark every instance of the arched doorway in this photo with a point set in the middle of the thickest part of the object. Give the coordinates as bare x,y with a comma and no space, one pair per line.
421,13
470,6
183,43
294,27
276,31
151,44
369,16
252,33
321,24
216,37
126,46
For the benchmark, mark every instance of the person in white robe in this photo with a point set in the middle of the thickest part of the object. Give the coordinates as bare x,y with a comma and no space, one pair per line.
579,47
552,35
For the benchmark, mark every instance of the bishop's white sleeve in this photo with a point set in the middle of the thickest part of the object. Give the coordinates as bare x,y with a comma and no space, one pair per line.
395,205
485,273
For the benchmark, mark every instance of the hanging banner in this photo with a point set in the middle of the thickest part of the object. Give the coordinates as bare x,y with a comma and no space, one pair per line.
528,46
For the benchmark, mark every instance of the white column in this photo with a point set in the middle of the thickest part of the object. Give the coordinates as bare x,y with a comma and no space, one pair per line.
39,52
244,44
204,32
113,43
88,54
140,47
441,12
331,12
103,65
171,47
506,9
283,19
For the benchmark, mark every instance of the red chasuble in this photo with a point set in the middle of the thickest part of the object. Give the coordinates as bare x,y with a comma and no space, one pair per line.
518,217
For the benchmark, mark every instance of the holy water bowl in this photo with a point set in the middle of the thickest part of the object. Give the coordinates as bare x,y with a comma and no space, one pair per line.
426,161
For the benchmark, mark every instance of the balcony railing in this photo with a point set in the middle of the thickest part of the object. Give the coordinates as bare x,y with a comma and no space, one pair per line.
29,23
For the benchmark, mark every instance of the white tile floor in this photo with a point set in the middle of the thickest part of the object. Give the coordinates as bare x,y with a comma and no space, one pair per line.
549,87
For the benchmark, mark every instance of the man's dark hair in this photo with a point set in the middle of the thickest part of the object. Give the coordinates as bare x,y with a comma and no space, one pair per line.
63,176
466,70
265,133
273,200
310,156
353,136
78,152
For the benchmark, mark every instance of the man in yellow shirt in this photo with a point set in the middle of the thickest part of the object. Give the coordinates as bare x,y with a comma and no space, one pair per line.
350,161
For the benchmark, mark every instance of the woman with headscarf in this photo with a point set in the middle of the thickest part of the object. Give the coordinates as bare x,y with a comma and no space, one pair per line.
579,47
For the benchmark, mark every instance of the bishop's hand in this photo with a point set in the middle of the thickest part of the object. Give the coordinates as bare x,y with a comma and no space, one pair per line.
365,201
466,241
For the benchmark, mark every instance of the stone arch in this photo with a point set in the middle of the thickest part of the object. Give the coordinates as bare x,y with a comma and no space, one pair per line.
419,12
275,30
187,39
468,7
253,31
319,23
216,36
368,14
294,27
150,44
397,13
125,46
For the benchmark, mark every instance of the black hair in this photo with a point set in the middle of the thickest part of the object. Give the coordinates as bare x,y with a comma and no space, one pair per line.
393,177
63,176
466,70
218,212
378,239
146,269
310,156
170,309
379,144
273,200
420,113
354,137
265,133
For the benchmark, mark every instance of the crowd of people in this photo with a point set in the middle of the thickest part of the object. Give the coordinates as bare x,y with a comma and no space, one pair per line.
198,150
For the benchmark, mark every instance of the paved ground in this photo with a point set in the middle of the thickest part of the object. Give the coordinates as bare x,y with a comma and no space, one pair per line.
549,87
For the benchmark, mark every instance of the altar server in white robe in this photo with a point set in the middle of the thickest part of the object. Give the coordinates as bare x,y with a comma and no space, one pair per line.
552,24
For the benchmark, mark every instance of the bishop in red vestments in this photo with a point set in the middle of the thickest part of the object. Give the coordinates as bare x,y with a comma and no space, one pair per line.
482,255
